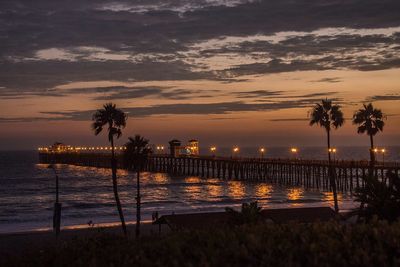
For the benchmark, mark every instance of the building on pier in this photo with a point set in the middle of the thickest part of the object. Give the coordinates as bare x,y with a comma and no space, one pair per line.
177,149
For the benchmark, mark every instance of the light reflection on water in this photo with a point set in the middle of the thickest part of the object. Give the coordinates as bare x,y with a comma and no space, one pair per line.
236,189
27,195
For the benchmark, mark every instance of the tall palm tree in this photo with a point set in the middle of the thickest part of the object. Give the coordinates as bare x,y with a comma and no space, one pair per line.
370,121
115,119
135,158
328,116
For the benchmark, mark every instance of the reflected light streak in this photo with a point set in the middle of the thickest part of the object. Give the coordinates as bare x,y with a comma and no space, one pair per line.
294,194
192,179
328,197
214,190
263,190
236,189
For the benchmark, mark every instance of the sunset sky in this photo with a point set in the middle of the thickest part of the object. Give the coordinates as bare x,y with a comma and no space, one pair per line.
222,71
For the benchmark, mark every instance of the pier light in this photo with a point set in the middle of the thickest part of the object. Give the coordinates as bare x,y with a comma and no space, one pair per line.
235,150
213,149
160,149
262,151
383,151
294,151
333,150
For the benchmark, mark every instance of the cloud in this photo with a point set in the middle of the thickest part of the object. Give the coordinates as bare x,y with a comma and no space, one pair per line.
44,44
328,80
218,108
156,92
258,94
391,97
289,120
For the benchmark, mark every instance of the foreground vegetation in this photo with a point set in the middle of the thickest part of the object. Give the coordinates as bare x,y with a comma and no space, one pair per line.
321,244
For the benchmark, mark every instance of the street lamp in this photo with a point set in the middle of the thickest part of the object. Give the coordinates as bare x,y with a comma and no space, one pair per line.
213,149
383,151
333,151
294,151
262,151
160,149
235,150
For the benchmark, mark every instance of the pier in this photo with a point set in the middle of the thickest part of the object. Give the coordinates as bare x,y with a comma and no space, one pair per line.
310,174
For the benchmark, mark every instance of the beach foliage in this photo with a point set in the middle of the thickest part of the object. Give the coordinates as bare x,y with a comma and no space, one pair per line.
249,213
379,198
376,243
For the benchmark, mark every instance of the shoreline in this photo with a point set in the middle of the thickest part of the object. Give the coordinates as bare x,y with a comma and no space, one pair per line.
15,243
116,224
71,228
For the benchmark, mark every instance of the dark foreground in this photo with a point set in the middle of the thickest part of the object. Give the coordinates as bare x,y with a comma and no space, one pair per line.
265,244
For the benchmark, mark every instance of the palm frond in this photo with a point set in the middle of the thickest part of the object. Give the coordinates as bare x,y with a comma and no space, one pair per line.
115,118
369,120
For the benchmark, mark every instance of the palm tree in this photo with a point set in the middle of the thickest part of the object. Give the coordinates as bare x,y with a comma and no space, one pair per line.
115,119
370,121
328,116
136,158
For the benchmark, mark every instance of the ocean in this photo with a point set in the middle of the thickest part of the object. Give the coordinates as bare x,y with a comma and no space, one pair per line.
27,191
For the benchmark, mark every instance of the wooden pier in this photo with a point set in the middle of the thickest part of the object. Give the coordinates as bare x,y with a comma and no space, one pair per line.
285,172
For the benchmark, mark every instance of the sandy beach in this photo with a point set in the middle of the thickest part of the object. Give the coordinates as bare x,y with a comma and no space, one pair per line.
17,243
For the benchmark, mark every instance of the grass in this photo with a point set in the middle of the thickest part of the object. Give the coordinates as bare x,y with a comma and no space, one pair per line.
321,244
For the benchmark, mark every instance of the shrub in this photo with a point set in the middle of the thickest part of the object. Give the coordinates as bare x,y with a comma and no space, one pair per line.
321,244
379,198
250,213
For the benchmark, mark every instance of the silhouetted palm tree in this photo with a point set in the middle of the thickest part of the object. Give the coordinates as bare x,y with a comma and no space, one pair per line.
328,116
135,158
370,121
115,120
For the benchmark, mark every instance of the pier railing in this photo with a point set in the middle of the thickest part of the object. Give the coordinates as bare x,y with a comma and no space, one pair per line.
286,172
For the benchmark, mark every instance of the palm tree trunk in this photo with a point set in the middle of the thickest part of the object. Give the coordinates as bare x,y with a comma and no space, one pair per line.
332,173
138,204
371,152
115,188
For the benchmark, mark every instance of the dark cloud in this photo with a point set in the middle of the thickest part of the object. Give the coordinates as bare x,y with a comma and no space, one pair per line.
328,80
392,97
177,109
163,28
289,119
258,94
157,92
41,76
320,94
